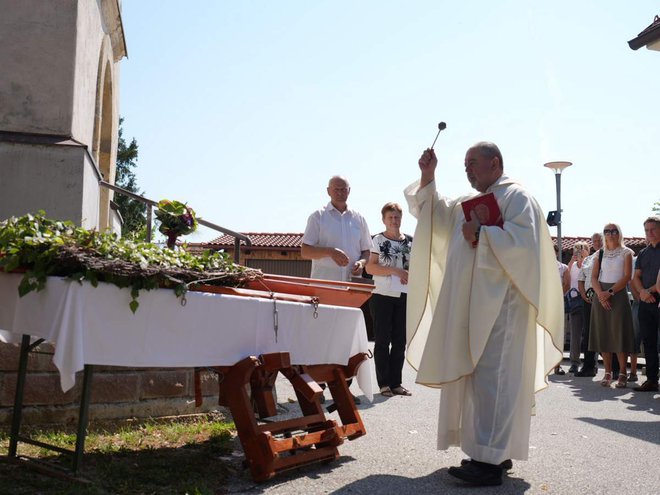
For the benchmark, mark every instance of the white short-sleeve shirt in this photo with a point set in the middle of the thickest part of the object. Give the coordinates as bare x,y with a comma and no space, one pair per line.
348,231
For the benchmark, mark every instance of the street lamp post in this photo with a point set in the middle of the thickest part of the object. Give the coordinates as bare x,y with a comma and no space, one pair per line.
558,167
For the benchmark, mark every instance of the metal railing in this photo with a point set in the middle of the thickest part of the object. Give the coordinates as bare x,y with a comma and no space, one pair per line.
151,203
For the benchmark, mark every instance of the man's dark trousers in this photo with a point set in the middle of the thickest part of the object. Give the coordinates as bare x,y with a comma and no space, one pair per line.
589,356
648,325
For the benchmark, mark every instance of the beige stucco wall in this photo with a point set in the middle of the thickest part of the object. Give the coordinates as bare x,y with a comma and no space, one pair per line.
37,40
59,76
57,179
89,38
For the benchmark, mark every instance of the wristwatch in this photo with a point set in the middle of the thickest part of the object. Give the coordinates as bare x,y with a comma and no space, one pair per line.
611,291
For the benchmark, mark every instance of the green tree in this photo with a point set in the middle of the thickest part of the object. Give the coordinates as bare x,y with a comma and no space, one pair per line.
656,208
132,211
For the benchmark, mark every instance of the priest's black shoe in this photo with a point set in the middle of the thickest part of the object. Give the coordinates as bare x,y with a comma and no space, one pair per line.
478,473
506,465
573,369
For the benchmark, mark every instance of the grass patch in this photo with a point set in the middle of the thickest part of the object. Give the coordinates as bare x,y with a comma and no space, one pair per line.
183,455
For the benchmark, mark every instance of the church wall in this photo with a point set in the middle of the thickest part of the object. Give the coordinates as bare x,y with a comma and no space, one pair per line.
58,78
37,39
50,178
89,43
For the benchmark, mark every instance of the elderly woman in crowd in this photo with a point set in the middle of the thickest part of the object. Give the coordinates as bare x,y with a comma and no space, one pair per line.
611,329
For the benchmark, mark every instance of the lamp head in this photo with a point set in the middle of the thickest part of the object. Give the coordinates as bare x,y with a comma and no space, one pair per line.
557,166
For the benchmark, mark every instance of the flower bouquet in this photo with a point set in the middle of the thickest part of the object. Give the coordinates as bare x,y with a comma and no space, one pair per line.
175,219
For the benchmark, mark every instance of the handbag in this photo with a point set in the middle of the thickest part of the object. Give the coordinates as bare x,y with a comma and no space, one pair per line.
572,301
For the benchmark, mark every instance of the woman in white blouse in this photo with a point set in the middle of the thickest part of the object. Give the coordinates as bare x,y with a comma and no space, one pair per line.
611,329
388,263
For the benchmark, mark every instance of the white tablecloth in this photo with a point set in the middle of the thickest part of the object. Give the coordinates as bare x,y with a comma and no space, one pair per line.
94,325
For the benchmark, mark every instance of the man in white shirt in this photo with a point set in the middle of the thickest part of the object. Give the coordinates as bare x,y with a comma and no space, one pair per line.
337,238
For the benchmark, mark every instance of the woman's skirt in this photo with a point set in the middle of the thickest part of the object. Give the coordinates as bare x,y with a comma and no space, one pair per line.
612,330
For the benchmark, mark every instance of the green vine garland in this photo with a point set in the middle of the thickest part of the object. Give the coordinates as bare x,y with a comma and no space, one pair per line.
41,247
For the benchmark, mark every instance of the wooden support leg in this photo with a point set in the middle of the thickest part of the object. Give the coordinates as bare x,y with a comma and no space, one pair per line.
335,377
278,446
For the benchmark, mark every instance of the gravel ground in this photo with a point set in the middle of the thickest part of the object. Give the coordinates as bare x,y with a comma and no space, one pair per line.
584,439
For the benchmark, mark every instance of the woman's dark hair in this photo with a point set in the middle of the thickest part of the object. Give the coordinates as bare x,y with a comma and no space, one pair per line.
391,206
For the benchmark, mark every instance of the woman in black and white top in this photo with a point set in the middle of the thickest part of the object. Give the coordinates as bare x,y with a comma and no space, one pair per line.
388,263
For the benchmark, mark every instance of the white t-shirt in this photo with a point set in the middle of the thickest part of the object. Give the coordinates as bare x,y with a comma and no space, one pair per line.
611,269
393,253
348,231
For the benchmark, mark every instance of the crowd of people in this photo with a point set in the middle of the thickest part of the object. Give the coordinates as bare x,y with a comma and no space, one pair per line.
610,281
476,308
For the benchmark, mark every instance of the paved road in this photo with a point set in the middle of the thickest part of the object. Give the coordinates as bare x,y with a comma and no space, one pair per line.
584,439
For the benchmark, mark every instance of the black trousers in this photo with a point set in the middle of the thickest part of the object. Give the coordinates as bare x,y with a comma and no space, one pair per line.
589,356
389,317
648,326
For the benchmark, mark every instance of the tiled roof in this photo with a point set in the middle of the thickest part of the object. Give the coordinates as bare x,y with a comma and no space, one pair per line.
259,240
634,243
294,240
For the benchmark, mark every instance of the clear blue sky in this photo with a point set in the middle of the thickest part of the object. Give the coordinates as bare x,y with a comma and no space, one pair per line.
244,109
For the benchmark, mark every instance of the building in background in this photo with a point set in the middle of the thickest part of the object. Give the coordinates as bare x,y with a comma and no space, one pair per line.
276,253
59,108
279,253
649,37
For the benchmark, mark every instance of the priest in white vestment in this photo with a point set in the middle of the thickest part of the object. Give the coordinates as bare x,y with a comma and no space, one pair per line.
485,313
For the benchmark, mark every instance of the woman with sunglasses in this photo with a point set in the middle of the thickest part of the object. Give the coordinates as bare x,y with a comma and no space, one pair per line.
611,329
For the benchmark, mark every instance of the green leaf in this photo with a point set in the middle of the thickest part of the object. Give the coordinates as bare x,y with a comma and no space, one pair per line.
93,279
25,287
134,305
180,290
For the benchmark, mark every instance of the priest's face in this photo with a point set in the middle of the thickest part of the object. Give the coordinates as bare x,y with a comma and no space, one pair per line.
481,171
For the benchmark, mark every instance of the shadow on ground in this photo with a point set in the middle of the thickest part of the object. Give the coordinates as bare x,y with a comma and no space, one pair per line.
437,482
200,468
386,484
649,432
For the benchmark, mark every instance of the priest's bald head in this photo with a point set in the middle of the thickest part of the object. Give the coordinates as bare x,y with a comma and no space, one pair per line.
483,165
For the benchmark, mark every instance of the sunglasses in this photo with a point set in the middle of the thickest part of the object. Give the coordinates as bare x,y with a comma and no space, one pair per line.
611,231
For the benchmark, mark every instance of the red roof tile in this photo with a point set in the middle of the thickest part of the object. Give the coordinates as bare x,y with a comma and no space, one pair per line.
259,240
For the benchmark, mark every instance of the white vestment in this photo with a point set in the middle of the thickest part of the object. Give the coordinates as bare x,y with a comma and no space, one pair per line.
485,324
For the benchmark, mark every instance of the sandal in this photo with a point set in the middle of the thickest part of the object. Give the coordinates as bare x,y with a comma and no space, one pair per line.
607,380
401,391
386,391
622,381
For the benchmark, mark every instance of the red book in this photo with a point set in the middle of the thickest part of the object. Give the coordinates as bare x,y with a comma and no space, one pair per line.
485,209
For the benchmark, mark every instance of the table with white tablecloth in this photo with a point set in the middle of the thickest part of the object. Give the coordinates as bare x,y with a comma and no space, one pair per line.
95,326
